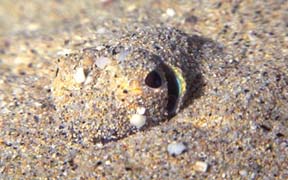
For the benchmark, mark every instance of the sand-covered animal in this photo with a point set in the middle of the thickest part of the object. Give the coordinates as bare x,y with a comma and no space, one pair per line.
128,83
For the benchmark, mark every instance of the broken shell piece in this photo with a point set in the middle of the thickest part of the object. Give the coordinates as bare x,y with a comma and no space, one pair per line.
102,62
79,75
201,166
138,120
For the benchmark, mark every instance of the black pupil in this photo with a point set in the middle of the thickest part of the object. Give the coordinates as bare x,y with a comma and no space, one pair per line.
153,79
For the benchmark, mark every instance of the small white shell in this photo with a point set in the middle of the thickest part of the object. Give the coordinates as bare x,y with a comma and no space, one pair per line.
138,120
176,148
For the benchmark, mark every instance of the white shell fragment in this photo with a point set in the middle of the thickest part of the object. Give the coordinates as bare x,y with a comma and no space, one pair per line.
200,166
79,75
138,120
176,148
102,62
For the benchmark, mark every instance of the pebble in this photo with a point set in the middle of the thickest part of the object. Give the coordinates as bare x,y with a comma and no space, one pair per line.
200,166
176,148
79,75
243,173
170,12
138,120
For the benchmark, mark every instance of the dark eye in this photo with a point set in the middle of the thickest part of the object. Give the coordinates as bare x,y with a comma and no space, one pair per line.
153,79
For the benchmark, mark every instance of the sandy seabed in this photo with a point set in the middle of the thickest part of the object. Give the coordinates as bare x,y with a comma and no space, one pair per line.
234,126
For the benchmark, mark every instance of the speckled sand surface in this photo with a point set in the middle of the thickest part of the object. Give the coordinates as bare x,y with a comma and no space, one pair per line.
234,127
